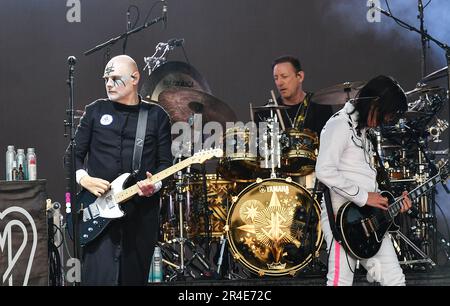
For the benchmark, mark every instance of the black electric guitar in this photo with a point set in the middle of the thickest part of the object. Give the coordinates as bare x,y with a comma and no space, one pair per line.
97,212
363,228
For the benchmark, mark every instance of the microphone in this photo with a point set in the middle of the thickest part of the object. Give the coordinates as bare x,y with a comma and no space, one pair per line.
175,42
72,60
164,12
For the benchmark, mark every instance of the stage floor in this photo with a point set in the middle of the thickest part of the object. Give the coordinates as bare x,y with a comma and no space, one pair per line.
438,276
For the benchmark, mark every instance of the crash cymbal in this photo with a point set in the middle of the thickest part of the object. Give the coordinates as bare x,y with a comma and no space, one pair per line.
180,103
337,94
171,74
269,106
422,89
436,75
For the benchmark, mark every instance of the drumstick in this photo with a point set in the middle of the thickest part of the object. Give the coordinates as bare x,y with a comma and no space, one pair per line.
278,111
251,113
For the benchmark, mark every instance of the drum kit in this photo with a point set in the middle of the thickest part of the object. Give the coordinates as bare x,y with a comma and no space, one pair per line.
251,202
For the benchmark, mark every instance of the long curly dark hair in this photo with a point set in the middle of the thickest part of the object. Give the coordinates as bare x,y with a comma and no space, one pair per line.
384,95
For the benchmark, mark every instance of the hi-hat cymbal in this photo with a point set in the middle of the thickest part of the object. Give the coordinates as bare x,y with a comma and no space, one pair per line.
337,94
181,102
436,75
269,106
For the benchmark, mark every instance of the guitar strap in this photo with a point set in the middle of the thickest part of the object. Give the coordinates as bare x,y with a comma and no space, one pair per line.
140,138
331,218
384,177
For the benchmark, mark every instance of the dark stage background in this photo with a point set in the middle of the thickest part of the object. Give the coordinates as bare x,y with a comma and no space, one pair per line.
231,43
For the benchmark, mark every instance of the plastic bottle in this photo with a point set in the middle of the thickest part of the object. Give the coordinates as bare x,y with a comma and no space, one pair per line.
20,174
21,164
10,158
150,273
156,271
31,165
14,172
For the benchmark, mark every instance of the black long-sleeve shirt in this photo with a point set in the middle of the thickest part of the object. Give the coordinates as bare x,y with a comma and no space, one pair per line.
106,135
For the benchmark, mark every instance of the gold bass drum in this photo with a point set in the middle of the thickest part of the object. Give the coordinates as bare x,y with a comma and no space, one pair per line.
273,227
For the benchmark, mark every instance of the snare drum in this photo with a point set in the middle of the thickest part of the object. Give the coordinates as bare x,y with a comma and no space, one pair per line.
298,157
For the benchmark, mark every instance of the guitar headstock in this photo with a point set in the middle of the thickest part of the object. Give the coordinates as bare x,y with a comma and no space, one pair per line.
203,155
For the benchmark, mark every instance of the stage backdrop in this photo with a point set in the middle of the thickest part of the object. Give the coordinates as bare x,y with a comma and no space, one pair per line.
231,43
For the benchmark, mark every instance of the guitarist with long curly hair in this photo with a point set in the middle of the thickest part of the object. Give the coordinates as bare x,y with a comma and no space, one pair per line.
346,166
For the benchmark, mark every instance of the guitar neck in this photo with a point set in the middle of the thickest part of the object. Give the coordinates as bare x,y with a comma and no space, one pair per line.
395,207
128,193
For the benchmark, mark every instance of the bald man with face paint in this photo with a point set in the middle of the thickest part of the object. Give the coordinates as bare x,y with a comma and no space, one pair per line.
105,139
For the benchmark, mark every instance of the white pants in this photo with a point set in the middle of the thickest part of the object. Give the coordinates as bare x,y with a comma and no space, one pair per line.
383,267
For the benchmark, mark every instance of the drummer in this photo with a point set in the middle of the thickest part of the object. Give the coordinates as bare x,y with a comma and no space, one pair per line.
302,113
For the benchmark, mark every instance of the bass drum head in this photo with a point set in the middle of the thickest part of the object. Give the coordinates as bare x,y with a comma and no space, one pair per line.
273,227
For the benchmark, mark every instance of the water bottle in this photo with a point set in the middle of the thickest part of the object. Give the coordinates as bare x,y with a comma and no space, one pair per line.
31,165
21,164
10,158
150,273
156,270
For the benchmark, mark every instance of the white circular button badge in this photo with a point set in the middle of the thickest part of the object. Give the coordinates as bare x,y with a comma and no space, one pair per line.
106,120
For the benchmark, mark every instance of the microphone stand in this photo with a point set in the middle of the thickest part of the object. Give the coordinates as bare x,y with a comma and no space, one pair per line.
125,41
71,169
124,35
440,44
423,60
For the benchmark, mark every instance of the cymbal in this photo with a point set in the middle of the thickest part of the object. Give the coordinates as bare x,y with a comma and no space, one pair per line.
270,106
171,74
436,75
422,90
180,103
337,94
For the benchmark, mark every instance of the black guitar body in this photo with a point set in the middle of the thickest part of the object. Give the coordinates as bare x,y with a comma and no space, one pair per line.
363,228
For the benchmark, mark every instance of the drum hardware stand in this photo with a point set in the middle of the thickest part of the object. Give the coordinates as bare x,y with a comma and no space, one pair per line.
427,220
424,257
185,266
181,240
283,127
376,145
272,132
309,229
223,242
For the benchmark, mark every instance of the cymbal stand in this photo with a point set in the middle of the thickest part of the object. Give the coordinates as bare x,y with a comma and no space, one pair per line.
182,198
272,154
183,266
224,254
